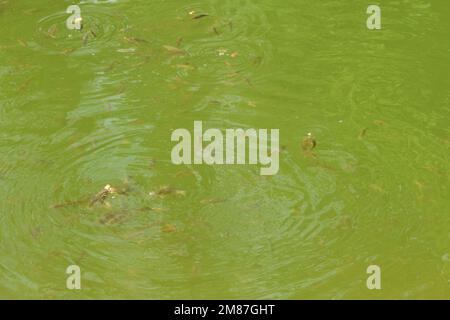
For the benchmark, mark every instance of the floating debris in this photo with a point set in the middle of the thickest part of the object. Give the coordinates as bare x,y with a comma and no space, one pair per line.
222,52
78,21
234,54
166,191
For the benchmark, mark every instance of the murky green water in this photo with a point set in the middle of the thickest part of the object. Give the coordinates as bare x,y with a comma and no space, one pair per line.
77,114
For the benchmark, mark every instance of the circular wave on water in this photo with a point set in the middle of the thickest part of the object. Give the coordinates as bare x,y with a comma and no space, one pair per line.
99,28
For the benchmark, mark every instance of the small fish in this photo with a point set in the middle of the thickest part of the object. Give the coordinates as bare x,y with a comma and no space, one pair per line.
134,40
158,210
112,218
186,66
145,61
102,195
85,39
362,134
185,173
29,12
215,31
69,203
112,65
248,81
212,201
376,188
251,104
67,51
52,31
179,41
127,50
165,191
200,16
22,43
175,50
169,228
87,35
308,142
257,61
24,85
35,232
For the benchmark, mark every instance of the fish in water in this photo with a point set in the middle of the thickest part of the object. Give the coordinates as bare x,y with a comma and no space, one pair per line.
52,31
200,16
100,197
166,191
175,50
134,40
362,134
87,35
103,194
308,143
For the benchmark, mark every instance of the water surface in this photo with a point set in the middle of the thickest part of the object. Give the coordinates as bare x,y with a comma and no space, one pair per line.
78,114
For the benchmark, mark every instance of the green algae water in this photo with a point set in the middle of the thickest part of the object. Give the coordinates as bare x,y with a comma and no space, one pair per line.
83,109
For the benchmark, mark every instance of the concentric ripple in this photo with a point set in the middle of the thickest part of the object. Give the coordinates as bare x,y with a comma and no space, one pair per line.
99,28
